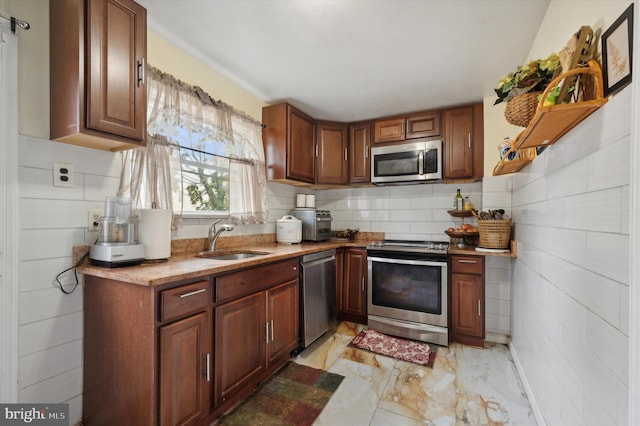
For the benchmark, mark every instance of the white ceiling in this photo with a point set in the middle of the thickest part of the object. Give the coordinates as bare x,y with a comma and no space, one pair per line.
347,60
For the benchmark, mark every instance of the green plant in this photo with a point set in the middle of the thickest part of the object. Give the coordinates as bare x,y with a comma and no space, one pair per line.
533,76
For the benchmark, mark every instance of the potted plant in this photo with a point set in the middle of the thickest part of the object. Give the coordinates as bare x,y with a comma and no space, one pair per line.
520,88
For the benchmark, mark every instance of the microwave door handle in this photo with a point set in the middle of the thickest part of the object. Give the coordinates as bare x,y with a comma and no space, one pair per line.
421,162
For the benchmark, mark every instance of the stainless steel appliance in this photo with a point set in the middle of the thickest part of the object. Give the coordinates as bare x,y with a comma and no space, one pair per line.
317,296
406,163
407,294
316,224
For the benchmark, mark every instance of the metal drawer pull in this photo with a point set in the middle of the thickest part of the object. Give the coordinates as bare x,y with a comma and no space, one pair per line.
192,293
468,261
208,369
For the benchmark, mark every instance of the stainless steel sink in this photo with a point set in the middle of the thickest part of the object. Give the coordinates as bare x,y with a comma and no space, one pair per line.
230,254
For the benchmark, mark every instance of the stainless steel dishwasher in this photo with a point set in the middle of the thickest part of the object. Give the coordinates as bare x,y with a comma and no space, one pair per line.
318,295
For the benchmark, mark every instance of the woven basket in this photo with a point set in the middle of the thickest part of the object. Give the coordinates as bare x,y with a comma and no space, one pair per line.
494,233
520,109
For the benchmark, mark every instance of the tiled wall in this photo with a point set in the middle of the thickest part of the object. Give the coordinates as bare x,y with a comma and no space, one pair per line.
570,284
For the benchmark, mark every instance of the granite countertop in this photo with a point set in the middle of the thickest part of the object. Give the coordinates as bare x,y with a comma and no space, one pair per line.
186,265
183,263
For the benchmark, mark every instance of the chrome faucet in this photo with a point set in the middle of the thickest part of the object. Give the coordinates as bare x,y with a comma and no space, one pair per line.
214,234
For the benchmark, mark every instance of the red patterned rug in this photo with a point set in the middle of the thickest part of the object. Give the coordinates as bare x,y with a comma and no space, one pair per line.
395,347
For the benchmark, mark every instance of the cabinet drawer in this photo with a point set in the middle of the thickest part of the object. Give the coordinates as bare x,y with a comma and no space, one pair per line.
237,284
180,301
467,264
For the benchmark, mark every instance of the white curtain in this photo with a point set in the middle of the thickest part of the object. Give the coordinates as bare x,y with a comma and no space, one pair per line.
153,172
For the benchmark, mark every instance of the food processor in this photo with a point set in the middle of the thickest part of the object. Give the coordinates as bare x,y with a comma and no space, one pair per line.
117,243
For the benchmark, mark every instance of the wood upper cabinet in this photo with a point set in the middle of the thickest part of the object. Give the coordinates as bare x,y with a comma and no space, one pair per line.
97,68
354,292
332,163
463,143
289,143
389,130
359,152
424,125
185,370
467,300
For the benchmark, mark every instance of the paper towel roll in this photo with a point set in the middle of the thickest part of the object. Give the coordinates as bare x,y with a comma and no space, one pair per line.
155,233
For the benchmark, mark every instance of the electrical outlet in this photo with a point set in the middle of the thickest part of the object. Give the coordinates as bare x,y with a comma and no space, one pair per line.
63,175
94,219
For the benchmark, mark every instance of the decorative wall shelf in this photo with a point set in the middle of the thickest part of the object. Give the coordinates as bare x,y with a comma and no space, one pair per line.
551,122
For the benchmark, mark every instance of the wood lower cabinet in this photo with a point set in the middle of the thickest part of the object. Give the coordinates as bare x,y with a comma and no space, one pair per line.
289,144
332,163
98,50
185,370
256,328
354,286
463,143
145,352
467,300
360,152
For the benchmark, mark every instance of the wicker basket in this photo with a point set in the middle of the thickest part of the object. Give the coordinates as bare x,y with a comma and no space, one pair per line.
520,109
494,233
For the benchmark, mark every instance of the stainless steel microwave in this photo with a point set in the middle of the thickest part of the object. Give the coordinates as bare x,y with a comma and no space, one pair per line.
412,162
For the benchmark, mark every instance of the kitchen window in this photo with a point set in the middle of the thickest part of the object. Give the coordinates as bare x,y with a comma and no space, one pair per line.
203,158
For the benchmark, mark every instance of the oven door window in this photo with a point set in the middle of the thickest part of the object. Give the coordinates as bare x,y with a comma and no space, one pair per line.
405,286
397,164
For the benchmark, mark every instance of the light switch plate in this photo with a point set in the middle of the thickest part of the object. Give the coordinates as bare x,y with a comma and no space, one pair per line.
63,175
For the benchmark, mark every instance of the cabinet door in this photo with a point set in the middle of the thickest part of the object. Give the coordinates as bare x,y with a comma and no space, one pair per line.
301,157
116,49
359,150
423,125
354,297
185,370
389,130
467,300
458,143
240,337
332,164
282,304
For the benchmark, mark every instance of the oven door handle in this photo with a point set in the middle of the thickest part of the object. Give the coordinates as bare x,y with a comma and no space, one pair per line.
406,261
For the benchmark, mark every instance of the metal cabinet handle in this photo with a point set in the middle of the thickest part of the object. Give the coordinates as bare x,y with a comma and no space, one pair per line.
479,314
362,283
141,72
469,138
208,368
316,151
473,262
366,151
272,335
345,154
192,293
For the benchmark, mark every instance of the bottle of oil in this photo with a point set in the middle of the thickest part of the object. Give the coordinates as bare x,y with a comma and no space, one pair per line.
458,201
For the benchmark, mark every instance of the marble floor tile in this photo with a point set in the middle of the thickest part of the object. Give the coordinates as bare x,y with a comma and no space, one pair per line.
466,386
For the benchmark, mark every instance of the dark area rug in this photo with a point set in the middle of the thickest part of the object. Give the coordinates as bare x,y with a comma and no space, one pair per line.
294,396
395,347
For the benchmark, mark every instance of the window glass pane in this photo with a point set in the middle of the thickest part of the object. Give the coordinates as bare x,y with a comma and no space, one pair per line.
205,177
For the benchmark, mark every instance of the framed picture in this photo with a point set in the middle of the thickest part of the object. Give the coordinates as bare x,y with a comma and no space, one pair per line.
617,48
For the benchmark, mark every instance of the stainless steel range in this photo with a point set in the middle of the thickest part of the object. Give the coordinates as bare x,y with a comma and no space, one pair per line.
407,294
